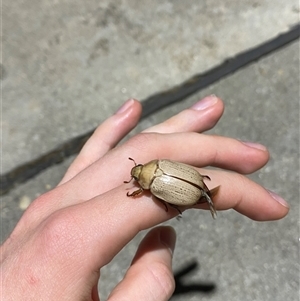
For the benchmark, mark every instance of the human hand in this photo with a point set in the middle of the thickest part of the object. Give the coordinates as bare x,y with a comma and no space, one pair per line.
63,239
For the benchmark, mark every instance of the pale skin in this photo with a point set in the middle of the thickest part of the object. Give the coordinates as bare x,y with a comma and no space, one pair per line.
66,235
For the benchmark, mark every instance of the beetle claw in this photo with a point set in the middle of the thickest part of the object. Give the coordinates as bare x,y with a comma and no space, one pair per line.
135,193
179,217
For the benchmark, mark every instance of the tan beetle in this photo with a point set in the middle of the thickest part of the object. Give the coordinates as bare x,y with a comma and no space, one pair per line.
174,183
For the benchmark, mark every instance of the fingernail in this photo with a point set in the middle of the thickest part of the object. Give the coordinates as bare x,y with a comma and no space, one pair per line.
205,103
168,238
255,145
279,199
125,106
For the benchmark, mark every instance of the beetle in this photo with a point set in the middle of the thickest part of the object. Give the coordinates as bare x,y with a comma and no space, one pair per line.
175,183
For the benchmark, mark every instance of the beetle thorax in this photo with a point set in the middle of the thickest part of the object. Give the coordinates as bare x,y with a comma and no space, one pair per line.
146,174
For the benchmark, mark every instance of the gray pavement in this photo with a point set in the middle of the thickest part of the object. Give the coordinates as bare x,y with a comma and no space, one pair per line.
68,66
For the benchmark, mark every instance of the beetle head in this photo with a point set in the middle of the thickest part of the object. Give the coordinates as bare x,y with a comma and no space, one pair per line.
135,171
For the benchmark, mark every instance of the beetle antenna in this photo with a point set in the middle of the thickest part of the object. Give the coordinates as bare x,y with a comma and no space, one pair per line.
133,161
131,176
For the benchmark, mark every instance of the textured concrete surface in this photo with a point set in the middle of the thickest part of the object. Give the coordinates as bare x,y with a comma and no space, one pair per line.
77,63
69,65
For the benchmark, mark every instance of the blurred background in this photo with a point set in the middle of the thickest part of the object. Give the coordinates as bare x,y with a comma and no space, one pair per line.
67,66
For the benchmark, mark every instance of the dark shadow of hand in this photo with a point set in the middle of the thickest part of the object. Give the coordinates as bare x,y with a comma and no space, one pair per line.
184,288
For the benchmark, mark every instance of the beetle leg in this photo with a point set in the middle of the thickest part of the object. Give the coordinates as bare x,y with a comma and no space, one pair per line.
206,177
163,202
136,192
206,190
128,181
210,203
176,207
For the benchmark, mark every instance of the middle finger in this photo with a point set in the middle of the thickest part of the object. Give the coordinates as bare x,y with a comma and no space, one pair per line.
190,148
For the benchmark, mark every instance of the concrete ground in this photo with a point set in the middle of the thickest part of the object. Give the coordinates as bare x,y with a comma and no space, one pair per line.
68,65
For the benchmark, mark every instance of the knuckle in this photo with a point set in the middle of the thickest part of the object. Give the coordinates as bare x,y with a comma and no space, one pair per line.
140,140
36,210
37,205
59,232
143,142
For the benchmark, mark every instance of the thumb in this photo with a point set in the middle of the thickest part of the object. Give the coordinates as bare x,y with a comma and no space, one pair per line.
150,275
